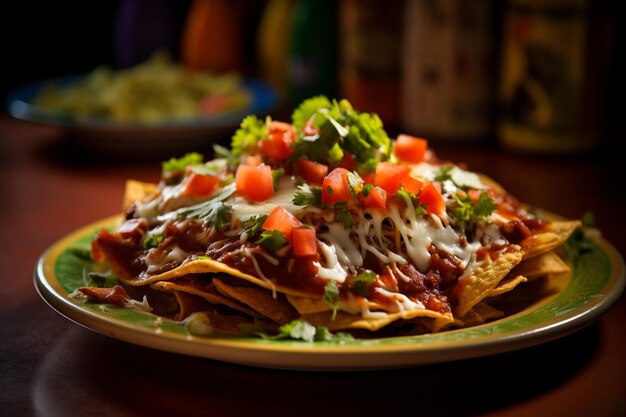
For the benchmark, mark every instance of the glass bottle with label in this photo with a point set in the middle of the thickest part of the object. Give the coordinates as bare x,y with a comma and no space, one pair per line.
448,67
551,86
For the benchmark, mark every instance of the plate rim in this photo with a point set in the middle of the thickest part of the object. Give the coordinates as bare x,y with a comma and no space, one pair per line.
366,354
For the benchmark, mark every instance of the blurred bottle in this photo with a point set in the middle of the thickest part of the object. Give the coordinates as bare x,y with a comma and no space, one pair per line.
448,69
553,80
273,43
212,38
312,57
371,34
141,28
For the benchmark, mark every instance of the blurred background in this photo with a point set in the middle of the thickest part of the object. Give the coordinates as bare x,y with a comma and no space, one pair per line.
529,76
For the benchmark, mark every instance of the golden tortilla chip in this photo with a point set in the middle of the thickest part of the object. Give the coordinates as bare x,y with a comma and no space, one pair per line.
473,288
274,307
507,285
541,265
204,290
344,321
538,244
136,191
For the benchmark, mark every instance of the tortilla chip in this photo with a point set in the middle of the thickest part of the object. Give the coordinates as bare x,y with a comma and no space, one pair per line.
473,288
189,304
205,290
344,321
263,301
136,191
541,265
480,314
308,305
541,243
507,285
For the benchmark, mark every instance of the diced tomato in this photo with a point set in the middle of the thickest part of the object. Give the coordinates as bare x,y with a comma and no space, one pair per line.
432,198
253,160
389,176
335,187
312,171
199,184
410,149
507,214
304,241
369,178
411,185
283,221
279,140
254,182
474,194
348,162
377,198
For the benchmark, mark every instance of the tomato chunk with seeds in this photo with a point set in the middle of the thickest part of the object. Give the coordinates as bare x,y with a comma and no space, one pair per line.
254,182
335,187
377,198
433,200
278,143
312,171
304,241
283,221
411,185
199,184
389,176
410,148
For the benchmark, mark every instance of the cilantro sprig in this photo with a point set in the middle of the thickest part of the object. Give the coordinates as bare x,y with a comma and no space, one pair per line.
179,164
468,213
214,212
301,329
341,128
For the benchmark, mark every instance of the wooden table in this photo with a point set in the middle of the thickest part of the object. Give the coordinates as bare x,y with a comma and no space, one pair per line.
53,367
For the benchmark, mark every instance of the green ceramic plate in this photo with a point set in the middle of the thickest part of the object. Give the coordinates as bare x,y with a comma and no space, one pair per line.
564,304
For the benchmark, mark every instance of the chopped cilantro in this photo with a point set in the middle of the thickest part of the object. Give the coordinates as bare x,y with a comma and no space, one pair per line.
179,164
444,173
367,189
101,279
301,329
272,240
362,282
214,212
152,241
468,214
355,183
253,225
307,195
341,128
250,132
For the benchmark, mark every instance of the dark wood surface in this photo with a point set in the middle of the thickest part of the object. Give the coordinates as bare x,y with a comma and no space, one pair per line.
52,367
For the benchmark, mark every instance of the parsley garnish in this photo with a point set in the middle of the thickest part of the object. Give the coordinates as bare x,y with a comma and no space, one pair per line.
253,225
179,164
362,282
307,195
301,329
341,128
469,214
214,212
272,240
444,173
152,241
250,132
